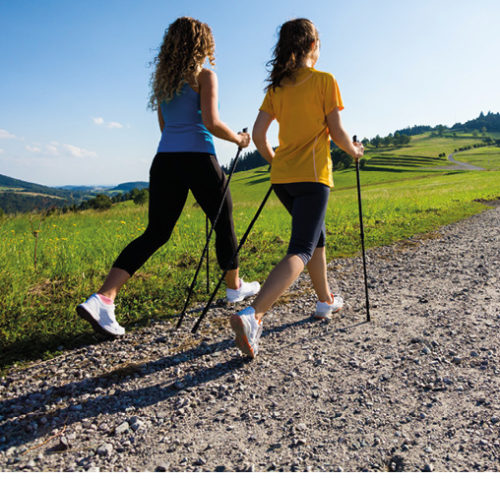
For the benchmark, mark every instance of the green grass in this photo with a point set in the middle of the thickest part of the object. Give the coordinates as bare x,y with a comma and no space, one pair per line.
426,145
402,196
487,157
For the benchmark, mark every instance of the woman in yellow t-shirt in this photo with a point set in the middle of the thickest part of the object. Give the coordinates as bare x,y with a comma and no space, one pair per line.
306,103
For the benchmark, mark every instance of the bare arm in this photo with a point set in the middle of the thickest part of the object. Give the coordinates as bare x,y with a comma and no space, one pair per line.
341,137
210,111
259,135
161,121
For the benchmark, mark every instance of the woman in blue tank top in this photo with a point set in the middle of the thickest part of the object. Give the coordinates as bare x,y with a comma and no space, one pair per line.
185,96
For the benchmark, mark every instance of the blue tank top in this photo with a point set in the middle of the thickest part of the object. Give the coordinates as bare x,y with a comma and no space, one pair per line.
184,129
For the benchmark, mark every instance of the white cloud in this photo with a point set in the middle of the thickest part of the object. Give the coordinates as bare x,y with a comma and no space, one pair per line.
33,149
52,149
1,151
56,149
107,124
78,152
5,135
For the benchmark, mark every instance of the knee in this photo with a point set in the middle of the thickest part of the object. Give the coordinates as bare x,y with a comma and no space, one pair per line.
157,236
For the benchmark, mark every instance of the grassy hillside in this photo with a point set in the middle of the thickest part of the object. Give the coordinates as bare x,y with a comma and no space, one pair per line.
487,157
404,194
22,196
432,146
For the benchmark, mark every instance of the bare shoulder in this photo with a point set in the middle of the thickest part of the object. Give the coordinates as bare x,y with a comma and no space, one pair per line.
207,76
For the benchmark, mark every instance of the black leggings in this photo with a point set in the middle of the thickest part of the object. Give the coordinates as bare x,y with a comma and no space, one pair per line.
171,177
307,203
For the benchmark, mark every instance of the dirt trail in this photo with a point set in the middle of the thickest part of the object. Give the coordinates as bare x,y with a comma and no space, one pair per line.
415,389
458,165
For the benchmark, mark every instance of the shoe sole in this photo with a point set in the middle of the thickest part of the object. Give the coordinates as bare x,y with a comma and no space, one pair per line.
241,298
84,314
241,339
328,316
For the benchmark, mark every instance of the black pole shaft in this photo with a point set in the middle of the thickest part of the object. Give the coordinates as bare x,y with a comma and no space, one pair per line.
242,242
205,249
208,255
362,234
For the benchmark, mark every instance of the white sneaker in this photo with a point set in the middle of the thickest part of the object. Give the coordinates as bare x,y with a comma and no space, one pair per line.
325,310
101,316
244,291
248,331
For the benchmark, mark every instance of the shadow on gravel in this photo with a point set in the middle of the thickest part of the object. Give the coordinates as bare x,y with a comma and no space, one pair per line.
33,407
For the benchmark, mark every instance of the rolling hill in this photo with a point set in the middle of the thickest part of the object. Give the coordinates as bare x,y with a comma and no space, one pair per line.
18,196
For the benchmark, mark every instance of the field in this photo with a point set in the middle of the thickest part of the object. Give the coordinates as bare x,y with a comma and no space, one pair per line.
487,157
404,193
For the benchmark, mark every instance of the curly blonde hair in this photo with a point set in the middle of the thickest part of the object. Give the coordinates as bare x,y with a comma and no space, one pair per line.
186,44
292,48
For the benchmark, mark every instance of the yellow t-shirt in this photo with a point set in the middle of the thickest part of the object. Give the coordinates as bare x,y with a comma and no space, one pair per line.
301,107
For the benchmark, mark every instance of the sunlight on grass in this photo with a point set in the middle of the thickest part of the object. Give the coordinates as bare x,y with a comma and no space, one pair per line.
401,197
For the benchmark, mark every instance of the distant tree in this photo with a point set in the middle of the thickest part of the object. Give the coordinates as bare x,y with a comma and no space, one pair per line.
414,130
440,129
101,202
401,139
118,198
141,197
365,142
248,161
475,133
340,159
376,141
386,141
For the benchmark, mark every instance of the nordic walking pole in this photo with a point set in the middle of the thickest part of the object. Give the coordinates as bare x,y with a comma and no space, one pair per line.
205,249
242,242
208,255
362,234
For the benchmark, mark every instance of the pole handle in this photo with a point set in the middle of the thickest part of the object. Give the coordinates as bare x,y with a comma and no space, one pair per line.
355,140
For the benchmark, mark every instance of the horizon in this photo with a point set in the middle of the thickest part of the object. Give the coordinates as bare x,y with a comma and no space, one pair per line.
84,120
112,185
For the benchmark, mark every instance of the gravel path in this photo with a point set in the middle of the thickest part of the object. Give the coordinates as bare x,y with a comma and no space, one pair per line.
417,389
459,165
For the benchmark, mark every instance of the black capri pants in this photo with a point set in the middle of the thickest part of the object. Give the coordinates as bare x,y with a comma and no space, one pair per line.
306,202
171,177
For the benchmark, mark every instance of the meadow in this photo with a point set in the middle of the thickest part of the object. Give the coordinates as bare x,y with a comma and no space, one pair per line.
487,157
404,194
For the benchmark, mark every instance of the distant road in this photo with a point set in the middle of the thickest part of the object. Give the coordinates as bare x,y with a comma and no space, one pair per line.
463,166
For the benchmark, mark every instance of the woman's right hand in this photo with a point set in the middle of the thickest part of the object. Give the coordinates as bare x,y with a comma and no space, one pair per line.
243,139
360,149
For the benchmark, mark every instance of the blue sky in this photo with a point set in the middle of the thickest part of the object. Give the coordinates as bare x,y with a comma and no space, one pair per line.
75,74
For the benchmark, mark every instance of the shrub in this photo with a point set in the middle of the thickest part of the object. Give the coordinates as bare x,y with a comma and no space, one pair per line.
141,197
101,202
